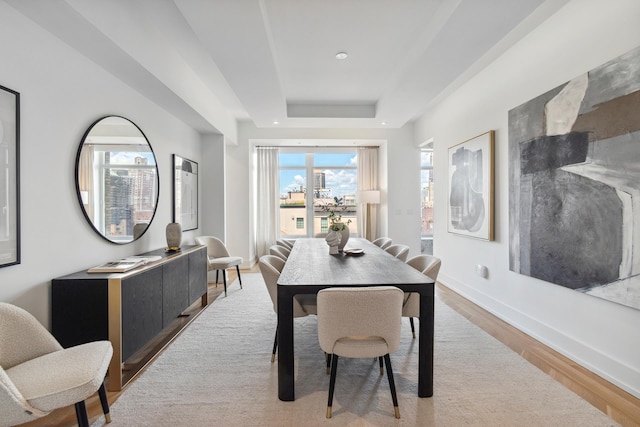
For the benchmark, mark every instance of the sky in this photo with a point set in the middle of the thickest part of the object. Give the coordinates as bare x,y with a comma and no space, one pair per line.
342,181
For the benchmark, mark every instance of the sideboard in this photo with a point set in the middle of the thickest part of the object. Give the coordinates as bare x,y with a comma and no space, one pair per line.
130,309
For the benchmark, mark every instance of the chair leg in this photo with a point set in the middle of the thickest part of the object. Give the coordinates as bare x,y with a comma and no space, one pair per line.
381,367
392,385
81,414
275,347
413,328
327,357
332,382
239,278
217,271
224,280
104,402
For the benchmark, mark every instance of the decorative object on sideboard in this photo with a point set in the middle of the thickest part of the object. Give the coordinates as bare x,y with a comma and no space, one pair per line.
9,177
116,179
185,192
174,236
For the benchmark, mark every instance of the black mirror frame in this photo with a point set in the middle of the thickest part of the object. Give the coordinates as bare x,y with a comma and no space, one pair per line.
79,195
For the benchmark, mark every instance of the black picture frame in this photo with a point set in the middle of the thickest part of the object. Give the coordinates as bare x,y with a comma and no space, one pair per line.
185,192
9,177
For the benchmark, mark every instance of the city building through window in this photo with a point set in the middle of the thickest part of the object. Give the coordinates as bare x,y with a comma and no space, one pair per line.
311,179
426,200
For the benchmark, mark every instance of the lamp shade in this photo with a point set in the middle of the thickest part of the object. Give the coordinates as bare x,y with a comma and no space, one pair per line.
369,196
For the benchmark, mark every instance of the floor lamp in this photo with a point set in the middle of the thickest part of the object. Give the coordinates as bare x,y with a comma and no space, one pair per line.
368,197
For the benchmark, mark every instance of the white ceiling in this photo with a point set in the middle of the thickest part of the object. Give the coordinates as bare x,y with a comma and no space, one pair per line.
211,61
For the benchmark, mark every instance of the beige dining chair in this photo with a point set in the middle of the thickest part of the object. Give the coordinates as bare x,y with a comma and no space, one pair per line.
360,322
285,243
382,242
279,251
428,265
399,251
303,305
37,375
219,258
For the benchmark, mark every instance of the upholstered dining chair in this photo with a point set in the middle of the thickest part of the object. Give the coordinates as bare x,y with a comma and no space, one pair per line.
285,243
219,258
303,305
360,322
428,265
279,251
399,251
382,242
37,375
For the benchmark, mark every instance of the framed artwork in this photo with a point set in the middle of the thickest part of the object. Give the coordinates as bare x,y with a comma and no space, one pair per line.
470,202
185,193
9,177
574,183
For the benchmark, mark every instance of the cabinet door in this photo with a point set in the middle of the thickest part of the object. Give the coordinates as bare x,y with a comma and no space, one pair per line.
141,309
79,311
175,289
197,274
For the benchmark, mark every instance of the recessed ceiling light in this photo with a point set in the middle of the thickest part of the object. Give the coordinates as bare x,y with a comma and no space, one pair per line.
275,122
341,55
383,123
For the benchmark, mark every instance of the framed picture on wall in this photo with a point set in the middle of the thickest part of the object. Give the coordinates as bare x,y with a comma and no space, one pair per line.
470,201
9,177
185,193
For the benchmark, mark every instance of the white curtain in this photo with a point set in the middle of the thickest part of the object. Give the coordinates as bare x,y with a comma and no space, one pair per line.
268,200
368,180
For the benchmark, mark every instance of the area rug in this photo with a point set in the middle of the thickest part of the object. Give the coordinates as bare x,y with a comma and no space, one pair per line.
218,373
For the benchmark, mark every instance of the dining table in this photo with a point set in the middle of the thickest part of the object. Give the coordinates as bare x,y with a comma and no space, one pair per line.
310,268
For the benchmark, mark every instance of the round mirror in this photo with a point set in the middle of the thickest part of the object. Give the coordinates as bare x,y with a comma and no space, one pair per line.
117,179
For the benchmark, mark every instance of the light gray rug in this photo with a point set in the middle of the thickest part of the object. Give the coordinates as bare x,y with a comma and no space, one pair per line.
218,373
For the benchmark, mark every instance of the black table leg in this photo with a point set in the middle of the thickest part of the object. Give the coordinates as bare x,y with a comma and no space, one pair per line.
425,351
286,380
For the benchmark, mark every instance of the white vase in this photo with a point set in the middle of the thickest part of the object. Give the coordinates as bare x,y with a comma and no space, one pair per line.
344,236
333,240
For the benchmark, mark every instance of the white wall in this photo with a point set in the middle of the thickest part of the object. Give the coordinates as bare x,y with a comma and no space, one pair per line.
399,174
62,93
598,334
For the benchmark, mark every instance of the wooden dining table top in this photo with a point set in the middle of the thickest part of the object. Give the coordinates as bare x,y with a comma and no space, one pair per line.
312,265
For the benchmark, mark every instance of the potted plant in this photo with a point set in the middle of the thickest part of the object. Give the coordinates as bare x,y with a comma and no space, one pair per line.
336,224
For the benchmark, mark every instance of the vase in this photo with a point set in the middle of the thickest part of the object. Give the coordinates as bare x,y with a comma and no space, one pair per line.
344,236
333,240
174,236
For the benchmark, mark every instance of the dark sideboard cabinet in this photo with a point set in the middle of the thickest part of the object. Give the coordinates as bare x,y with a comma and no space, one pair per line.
129,309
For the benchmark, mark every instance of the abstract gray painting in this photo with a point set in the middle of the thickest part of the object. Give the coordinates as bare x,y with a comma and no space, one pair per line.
574,183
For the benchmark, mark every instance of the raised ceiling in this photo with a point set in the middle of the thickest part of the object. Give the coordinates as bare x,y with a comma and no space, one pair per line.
216,61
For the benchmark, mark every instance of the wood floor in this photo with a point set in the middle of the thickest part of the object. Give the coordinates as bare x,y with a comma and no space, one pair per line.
613,401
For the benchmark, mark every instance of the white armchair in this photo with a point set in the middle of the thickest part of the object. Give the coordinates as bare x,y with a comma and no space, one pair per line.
37,375
219,258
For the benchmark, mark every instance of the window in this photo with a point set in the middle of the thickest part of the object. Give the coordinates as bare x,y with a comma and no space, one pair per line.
426,199
310,178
